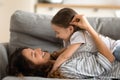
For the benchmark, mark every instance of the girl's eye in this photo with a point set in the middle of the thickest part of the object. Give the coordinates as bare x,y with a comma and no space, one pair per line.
57,32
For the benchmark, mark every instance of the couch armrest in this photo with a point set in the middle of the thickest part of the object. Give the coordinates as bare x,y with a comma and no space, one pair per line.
3,59
6,47
5,44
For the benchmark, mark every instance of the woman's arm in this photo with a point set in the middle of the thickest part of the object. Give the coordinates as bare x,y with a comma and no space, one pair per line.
84,24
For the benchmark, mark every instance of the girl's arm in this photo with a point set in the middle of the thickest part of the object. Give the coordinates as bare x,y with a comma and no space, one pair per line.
65,55
84,24
55,54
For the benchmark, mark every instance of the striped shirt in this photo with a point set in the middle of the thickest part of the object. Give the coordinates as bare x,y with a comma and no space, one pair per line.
87,62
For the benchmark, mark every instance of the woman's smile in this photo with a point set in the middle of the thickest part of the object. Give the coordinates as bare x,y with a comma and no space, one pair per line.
37,56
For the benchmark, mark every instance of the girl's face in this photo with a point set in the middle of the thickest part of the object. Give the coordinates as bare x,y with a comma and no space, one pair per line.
62,33
37,56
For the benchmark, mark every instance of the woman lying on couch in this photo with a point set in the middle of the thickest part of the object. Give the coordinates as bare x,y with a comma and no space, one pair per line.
35,62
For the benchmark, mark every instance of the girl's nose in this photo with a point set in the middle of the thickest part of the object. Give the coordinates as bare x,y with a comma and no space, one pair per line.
38,49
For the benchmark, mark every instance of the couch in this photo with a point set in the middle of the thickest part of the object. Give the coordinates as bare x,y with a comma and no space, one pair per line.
34,30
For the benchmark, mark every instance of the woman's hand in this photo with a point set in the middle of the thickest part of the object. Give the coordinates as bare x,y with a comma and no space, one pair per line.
80,21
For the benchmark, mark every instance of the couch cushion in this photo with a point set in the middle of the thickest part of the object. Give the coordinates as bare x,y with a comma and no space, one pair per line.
32,30
32,78
3,61
110,26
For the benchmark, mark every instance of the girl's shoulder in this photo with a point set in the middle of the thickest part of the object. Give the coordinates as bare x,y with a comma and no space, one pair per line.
77,37
78,33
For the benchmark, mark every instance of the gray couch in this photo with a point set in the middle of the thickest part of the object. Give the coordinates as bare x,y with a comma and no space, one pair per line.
33,30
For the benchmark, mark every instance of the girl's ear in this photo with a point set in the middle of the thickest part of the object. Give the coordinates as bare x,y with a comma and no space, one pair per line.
71,28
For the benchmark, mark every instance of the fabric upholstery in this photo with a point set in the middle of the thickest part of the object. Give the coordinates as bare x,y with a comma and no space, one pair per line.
32,78
3,61
39,78
110,27
32,30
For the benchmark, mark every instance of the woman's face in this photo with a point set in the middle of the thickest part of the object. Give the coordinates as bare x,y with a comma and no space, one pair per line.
37,56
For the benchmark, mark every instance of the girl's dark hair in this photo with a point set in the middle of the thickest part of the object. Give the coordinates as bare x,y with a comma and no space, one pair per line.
18,64
64,17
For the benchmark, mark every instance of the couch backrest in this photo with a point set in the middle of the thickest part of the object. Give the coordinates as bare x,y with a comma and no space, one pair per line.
109,26
34,30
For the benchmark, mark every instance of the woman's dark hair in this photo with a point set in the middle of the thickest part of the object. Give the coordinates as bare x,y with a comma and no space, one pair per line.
18,64
64,17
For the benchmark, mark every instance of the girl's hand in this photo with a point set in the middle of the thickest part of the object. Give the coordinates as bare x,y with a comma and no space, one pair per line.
80,21
53,69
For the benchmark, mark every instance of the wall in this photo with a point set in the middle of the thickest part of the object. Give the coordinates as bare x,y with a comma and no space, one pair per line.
91,12
7,8
104,2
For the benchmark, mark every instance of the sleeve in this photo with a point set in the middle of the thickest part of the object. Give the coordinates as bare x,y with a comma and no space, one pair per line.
104,62
94,65
77,37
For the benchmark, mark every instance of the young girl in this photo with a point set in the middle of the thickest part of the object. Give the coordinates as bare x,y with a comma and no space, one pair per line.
83,42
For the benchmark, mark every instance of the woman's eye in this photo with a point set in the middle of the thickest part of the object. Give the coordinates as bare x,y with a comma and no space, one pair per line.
33,54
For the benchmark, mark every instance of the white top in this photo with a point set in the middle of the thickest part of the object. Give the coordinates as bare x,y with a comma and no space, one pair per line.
87,61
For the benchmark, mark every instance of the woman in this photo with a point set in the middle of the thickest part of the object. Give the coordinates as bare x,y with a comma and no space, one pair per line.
31,62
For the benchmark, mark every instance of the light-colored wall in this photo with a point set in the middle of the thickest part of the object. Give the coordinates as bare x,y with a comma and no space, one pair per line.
90,12
7,8
104,2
